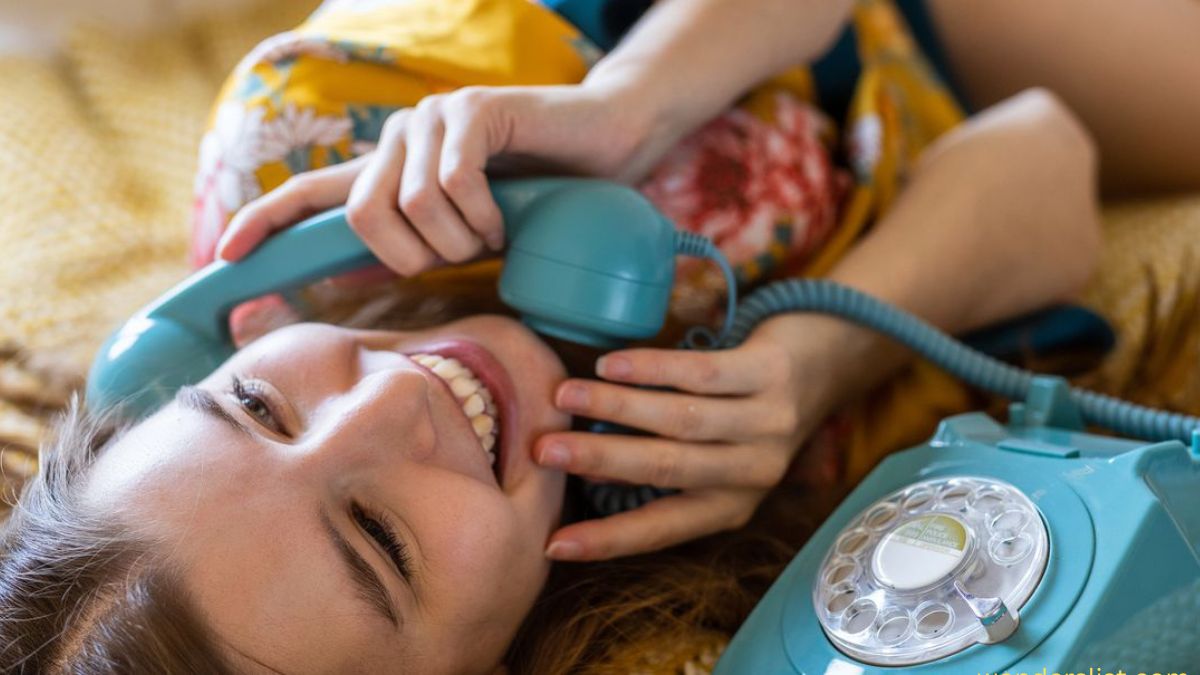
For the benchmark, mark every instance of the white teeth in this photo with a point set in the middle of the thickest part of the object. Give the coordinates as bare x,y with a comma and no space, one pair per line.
473,405
483,425
464,386
476,401
447,369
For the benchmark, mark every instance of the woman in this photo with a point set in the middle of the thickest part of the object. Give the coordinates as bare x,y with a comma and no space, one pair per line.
344,515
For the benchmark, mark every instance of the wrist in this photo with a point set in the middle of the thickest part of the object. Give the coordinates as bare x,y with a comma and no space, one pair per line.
831,360
644,124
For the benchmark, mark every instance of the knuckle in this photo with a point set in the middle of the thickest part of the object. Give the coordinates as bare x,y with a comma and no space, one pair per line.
773,354
665,467
586,459
607,405
363,217
418,203
430,104
688,422
706,371
468,99
394,125
457,181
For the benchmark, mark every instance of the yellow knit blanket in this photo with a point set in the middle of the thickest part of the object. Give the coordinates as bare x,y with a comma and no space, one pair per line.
97,158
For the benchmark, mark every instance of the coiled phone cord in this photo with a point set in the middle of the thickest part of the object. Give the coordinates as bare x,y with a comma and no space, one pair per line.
973,367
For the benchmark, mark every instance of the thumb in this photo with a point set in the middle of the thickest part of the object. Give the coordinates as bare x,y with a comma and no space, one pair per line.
299,197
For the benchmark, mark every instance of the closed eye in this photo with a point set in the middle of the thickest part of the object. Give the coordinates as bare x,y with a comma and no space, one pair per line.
377,526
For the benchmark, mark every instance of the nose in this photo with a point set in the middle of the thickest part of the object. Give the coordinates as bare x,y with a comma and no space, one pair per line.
385,417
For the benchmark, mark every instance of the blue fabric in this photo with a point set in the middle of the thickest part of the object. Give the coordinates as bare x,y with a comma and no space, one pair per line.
604,22
1068,328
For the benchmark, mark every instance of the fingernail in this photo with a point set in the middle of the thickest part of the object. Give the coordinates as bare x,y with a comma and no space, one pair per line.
555,455
573,396
614,367
564,550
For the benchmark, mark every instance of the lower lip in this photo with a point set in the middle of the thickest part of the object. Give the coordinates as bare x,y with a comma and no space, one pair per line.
493,376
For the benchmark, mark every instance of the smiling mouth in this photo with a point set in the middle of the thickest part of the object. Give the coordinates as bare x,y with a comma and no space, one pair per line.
473,397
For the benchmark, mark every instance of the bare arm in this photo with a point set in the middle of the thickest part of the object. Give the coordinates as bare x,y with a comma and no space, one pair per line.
687,60
1128,69
1000,218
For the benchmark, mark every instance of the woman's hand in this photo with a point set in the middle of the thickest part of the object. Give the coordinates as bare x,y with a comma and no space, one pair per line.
421,198
724,439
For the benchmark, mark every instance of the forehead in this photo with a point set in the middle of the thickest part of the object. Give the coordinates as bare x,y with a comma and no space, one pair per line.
166,458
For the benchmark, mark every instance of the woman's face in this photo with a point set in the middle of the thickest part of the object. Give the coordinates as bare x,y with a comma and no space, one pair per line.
337,512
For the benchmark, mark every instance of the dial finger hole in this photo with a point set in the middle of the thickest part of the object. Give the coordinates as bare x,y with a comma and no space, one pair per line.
987,499
954,497
845,570
852,542
895,626
881,516
1010,521
1008,549
840,597
933,620
859,616
918,500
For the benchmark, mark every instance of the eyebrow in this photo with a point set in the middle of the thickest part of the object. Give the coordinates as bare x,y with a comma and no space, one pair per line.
369,585
202,401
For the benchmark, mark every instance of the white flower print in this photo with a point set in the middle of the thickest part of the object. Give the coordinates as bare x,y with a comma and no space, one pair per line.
228,157
299,128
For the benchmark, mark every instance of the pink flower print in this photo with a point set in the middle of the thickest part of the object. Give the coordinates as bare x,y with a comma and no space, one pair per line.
764,191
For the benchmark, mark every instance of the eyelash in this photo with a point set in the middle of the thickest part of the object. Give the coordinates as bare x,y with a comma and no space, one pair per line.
252,391
377,526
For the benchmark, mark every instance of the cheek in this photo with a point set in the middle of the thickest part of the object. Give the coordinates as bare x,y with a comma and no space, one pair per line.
477,552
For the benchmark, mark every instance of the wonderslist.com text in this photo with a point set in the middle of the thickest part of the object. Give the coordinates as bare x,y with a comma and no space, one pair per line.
1089,671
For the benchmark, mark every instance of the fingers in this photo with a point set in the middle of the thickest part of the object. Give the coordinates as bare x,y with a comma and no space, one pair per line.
424,197
659,524
661,462
421,198
721,372
465,151
681,416
301,196
372,207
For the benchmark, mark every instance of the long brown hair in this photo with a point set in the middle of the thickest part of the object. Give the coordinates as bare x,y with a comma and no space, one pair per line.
80,595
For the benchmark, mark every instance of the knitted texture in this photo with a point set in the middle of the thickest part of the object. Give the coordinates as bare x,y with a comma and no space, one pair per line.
97,157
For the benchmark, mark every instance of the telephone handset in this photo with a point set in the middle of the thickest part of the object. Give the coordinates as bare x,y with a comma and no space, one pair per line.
587,260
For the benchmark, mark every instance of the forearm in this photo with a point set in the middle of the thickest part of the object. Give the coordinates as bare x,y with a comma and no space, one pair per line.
999,219
687,60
